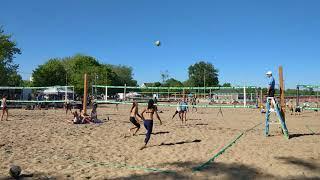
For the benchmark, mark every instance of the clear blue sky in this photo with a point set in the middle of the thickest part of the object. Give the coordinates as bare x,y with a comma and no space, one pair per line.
242,38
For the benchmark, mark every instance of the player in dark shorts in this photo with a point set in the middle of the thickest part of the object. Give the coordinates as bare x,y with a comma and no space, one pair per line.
134,112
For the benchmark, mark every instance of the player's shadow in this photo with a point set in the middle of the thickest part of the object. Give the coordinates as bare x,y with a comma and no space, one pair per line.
303,134
179,142
201,124
194,119
156,133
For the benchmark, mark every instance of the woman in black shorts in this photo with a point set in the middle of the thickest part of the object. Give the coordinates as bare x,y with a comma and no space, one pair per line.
133,114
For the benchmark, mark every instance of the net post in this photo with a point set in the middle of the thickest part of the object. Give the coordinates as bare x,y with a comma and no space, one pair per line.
124,92
73,93
282,96
85,93
66,93
244,97
106,96
298,96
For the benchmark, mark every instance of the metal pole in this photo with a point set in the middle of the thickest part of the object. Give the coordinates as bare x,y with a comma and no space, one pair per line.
73,93
95,83
124,92
85,93
66,93
244,97
298,96
204,84
106,96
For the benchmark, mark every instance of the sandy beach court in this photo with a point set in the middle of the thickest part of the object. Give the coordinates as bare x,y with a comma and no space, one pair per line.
46,144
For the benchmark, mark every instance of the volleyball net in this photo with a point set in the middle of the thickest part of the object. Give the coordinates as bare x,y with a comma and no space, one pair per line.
307,97
49,96
199,96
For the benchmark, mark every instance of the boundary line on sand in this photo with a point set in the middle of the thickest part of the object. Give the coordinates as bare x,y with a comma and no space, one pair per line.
126,166
204,165
198,168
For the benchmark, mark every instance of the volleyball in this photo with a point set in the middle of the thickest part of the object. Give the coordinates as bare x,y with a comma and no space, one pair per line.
15,171
157,43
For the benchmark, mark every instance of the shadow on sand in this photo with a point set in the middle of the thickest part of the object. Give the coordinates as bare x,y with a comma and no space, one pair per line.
180,142
304,134
299,162
156,133
217,170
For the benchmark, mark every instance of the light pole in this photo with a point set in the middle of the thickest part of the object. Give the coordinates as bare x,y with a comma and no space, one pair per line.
204,83
95,83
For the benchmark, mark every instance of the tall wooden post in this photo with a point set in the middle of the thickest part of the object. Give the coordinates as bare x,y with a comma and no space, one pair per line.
282,97
85,93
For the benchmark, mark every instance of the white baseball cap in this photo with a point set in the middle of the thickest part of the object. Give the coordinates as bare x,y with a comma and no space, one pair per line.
269,73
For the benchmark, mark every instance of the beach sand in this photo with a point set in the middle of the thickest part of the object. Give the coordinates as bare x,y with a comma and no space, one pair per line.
46,144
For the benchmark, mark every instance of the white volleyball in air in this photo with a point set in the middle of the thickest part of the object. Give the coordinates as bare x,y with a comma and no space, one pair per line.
157,43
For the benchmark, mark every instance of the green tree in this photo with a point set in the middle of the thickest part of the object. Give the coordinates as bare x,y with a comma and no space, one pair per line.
8,69
51,73
203,73
26,83
226,85
124,75
172,83
76,66
70,71
157,84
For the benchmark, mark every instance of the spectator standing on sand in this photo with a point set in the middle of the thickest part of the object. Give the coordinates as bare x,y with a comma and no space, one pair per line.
4,107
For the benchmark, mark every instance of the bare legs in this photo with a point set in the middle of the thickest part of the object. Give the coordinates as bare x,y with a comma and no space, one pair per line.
137,129
5,111
184,117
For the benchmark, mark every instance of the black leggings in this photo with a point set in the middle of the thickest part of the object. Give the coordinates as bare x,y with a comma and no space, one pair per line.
148,124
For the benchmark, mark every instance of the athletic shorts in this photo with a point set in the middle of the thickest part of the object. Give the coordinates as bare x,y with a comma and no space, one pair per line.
271,93
134,121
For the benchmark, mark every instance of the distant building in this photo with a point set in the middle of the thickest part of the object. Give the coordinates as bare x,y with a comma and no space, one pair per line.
144,85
